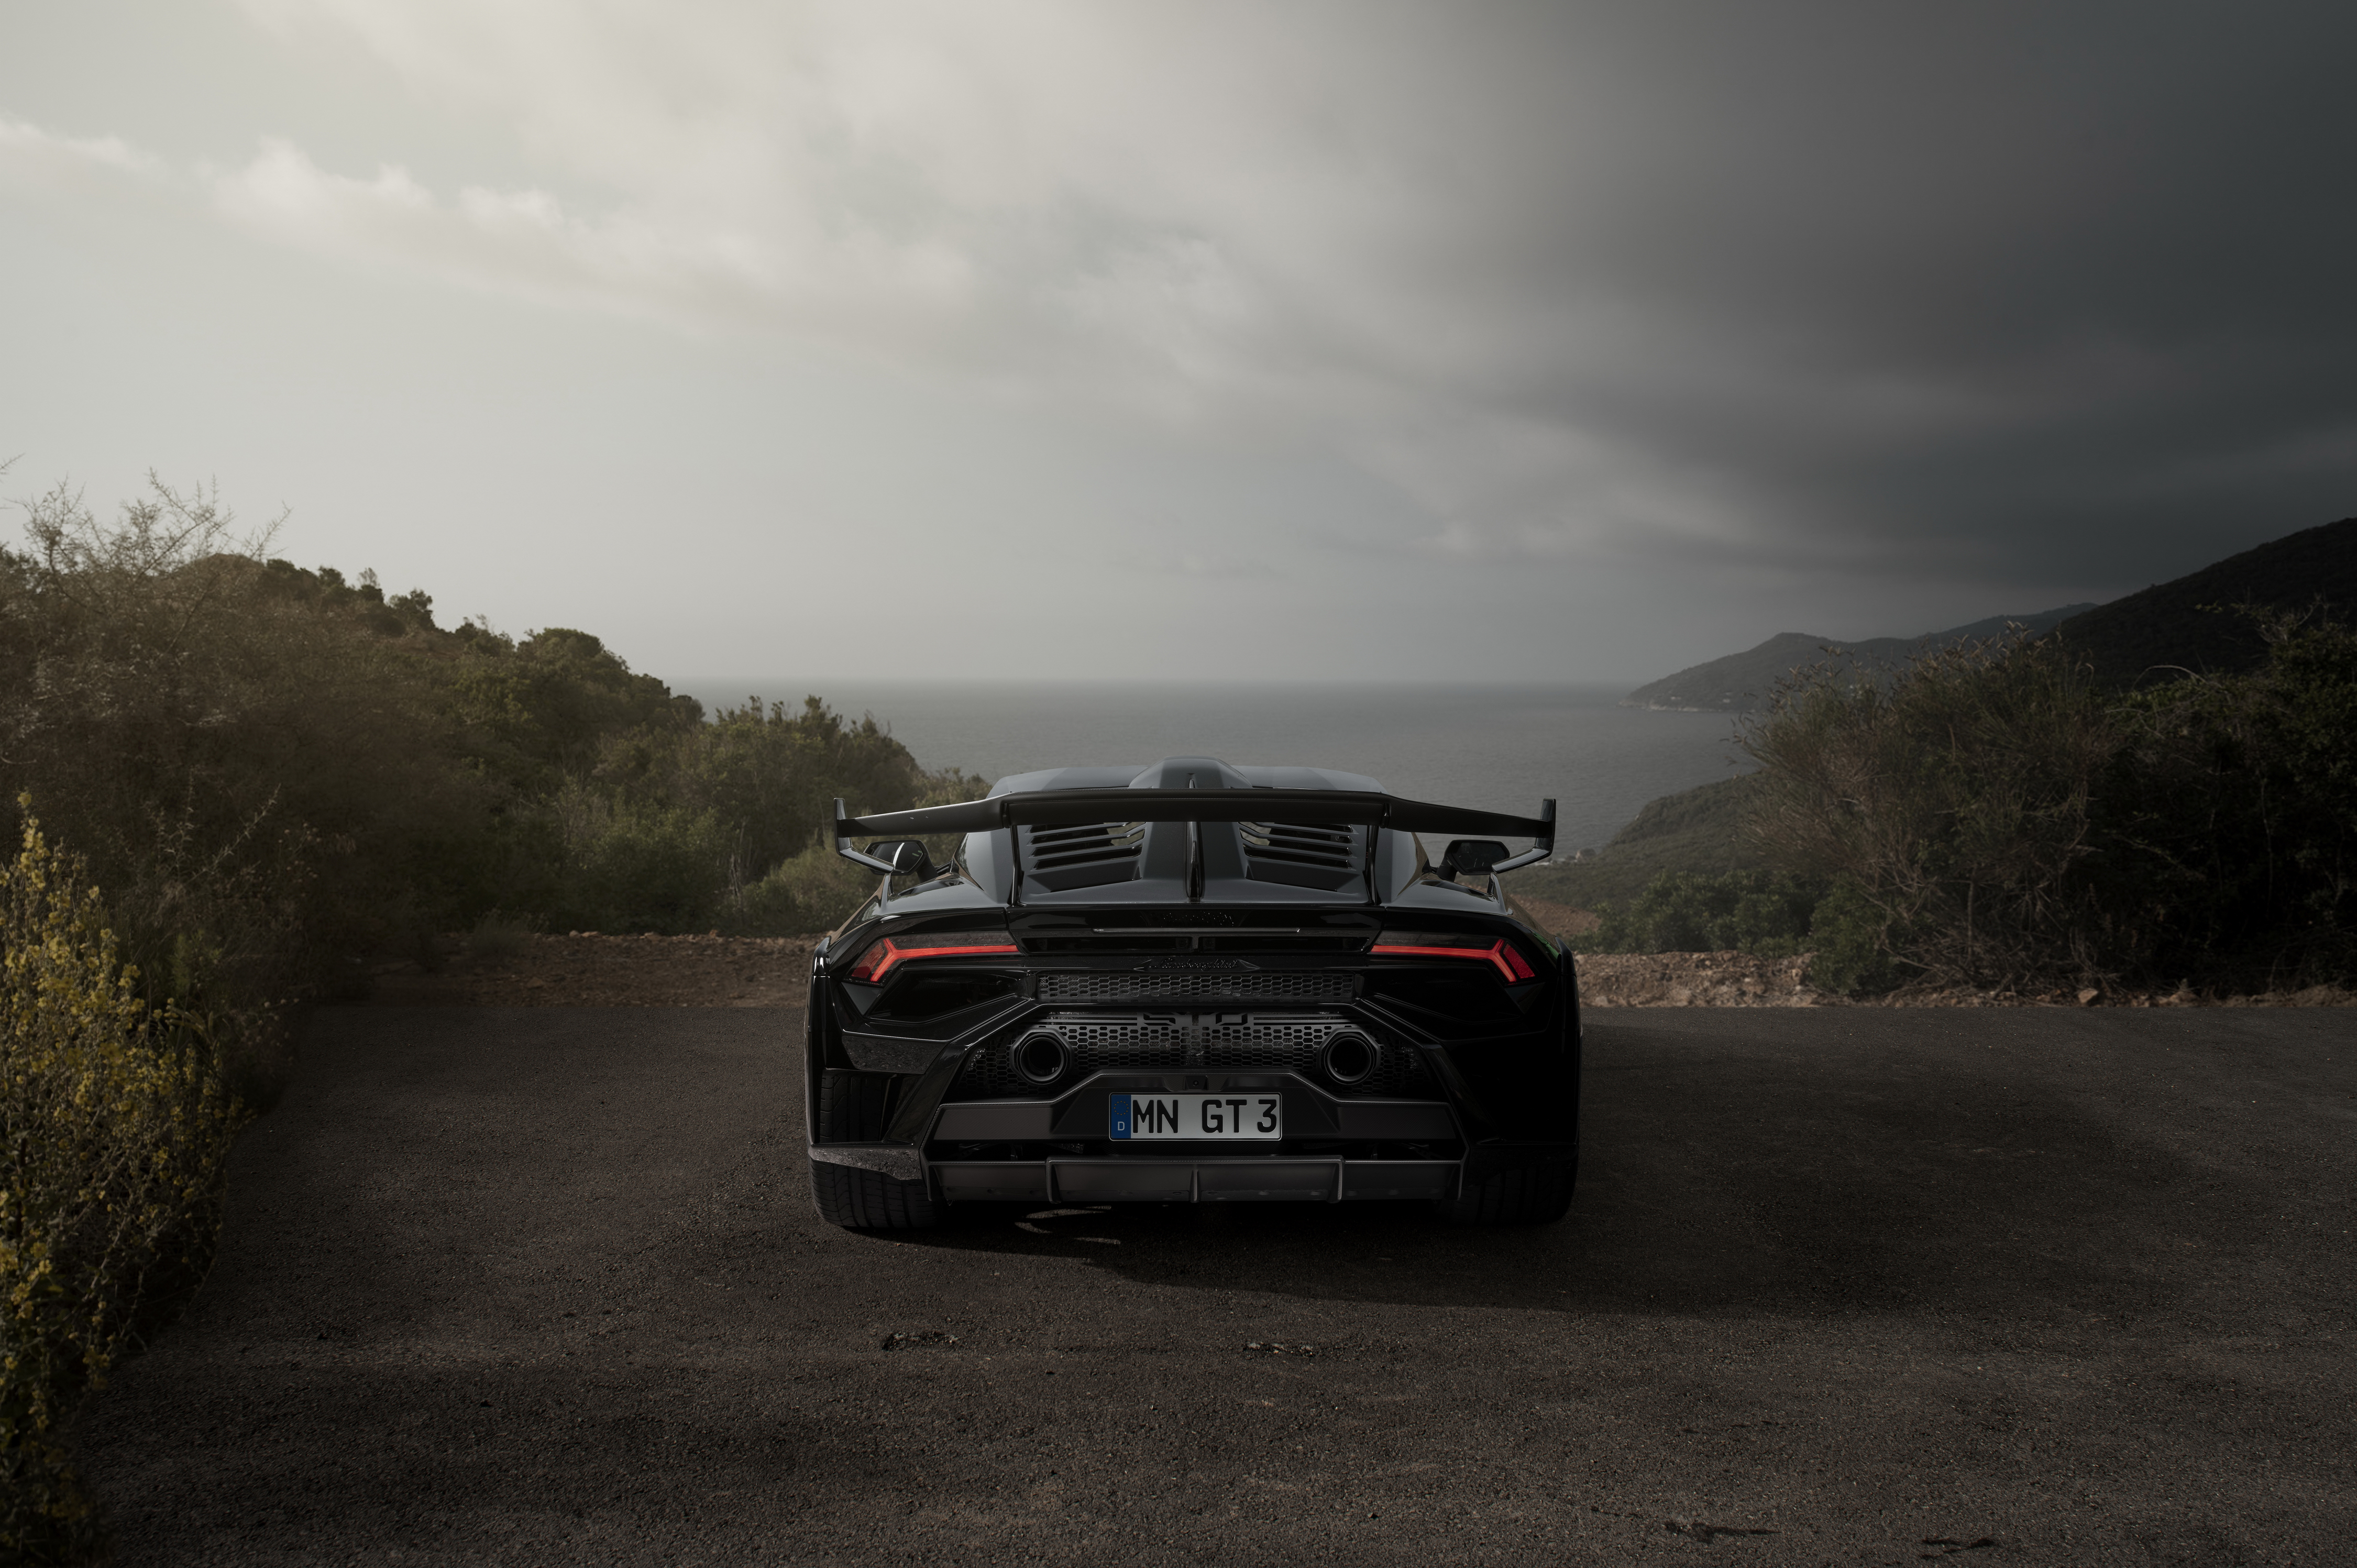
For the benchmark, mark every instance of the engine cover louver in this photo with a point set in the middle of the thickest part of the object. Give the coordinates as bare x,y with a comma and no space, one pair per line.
1090,845
1324,845
1086,857
1302,854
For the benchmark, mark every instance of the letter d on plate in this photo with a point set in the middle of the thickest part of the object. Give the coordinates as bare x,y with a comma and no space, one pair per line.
1121,1115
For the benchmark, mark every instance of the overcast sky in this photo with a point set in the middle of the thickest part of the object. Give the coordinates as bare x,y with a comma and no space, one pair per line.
1241,340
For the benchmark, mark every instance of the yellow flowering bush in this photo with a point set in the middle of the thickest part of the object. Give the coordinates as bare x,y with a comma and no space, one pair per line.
114,1123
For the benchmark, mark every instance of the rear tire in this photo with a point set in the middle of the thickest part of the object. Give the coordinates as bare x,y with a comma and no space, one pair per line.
1519,1194
851,1107
860,1200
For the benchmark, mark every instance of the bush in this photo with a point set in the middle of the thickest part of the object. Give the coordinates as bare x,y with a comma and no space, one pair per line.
1995,818
500,935
814,891
253,772
1850,944
635,865
1955,803
275,769
114,1123
1765,912
770,777
2233,805
1700,830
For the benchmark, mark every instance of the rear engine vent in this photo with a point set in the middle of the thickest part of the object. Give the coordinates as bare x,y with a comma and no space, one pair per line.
1194,1043
1087,857
1103,987
1303,855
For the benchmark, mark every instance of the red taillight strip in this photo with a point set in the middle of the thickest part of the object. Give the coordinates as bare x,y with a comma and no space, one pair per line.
1503,953
893,953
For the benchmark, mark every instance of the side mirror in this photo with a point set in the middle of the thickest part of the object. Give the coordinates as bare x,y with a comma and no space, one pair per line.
893,857
907,857
1471,857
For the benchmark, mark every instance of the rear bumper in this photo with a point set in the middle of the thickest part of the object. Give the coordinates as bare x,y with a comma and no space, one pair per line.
1209,1179
1080,1112
1055,1150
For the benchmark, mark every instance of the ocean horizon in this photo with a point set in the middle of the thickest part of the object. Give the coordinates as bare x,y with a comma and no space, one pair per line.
1495,747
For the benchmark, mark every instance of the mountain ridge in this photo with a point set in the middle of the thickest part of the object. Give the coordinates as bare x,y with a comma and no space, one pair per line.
1739,682
2190,623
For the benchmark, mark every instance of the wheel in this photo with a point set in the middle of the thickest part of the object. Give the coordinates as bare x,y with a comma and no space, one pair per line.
851,1107
869,1201
1519,1194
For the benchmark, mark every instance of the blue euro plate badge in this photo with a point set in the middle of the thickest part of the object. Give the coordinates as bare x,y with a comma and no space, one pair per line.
1220,1118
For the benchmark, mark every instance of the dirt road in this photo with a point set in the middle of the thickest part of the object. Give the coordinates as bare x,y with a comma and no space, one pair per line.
544,1285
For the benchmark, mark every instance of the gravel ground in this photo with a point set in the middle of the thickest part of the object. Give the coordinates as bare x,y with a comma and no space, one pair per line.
1854,1286
544,1285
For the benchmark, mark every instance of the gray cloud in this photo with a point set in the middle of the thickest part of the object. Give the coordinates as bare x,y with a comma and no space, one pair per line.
1729,309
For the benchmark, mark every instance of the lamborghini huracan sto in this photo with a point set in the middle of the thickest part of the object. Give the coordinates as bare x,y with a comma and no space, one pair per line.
1191,984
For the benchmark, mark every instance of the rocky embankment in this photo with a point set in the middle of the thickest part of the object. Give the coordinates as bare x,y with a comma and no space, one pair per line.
1693,980
1740,979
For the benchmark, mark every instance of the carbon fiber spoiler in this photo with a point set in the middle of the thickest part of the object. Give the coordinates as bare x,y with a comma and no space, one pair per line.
1076,808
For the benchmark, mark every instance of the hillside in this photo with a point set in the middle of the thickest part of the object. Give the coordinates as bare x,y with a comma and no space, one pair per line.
1696,830
2173,625
1741,682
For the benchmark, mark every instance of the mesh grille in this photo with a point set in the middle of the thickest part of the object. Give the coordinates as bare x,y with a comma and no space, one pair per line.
1176,1044
1125,987
1128,1042
1265,1045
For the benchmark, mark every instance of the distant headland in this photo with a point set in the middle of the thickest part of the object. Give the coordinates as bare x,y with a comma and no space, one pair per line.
2192,623
1741,682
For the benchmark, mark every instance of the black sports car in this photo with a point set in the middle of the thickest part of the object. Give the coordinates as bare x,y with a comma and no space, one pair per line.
1192,983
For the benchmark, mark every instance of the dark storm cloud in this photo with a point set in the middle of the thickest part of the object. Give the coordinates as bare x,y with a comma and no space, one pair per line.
2056,285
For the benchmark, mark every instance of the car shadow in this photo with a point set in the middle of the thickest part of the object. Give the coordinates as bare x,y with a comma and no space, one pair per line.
1712,1181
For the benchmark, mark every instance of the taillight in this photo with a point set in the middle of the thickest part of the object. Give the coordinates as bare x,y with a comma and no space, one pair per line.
1504,954
877,960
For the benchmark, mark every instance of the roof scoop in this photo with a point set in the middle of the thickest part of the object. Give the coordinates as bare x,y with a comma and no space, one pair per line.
1190,773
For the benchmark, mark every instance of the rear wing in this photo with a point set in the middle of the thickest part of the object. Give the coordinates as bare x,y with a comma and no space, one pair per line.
1077,808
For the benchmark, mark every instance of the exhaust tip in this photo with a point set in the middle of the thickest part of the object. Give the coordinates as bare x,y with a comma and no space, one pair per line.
1350,1058
1039,1058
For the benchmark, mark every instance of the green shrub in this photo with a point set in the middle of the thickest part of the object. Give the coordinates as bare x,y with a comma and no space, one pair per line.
813,891
247,759
499,934
770,777
1700,830
275,769
637,864
1955,803
1993,818
2232,805
114,1123
1850,942
1757,912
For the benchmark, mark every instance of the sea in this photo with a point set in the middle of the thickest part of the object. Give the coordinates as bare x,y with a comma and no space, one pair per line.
1492,747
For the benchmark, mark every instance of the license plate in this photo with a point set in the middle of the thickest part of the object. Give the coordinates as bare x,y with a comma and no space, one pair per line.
1249,1117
